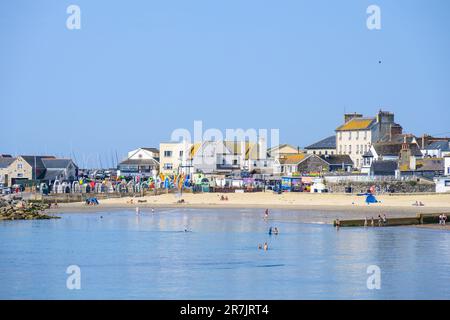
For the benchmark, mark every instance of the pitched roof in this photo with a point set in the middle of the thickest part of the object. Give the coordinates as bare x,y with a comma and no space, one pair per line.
337,159
384,167
357,124
430,164
51,175
154,150
327,143
393,149
293,158
139,162
39,163
6,162
56,163
439,145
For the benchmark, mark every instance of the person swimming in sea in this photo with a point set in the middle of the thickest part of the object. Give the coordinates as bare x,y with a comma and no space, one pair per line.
270,231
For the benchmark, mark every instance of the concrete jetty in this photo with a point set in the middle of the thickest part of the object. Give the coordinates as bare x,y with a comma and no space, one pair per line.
420,218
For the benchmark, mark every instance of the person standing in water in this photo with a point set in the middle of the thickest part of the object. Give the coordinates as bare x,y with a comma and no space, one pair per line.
266,246
266,214
137,210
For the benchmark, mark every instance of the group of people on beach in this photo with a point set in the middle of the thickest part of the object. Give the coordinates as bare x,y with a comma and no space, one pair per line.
442,219
418,204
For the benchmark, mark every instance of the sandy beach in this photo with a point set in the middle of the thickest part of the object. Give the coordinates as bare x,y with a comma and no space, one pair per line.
320,207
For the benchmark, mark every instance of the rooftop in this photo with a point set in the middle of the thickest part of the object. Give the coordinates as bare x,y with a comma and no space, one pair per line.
327,143
357,124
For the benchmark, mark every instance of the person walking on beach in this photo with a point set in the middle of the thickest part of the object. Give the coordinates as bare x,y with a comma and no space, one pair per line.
384,219
444,219
372,222
379,220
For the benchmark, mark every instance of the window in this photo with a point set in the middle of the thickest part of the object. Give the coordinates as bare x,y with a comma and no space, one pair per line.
19,166
349,149
345,148
357,135
357,149
265,163
168,166
340,149
349,135
181,153
365,148
255,164
326,152
365,135
235,162
20,175
357,162
167,154
340,135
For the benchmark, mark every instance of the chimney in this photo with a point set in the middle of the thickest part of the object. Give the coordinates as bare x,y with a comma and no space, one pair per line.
412,162
350,116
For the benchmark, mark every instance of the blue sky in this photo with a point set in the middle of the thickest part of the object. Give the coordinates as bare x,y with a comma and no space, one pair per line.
139,69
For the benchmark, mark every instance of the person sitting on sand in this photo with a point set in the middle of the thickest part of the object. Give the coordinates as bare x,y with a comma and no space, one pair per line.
421,204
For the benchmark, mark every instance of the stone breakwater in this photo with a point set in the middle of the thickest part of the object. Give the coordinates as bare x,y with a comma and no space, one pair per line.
21,210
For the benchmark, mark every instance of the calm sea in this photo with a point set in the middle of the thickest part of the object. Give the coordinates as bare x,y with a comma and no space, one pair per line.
124,256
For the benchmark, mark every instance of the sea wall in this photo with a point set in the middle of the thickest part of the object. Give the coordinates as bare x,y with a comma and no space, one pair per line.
382,187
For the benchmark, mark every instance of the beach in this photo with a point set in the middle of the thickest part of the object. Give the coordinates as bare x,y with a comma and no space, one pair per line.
320,207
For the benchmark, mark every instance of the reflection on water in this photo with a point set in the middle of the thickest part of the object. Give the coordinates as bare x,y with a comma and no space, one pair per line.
124,256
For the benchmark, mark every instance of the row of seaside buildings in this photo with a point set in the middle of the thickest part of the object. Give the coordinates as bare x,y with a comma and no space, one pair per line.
361,146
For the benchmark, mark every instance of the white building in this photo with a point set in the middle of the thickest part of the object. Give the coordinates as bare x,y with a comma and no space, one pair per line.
358,133
437,149
174,157
228,156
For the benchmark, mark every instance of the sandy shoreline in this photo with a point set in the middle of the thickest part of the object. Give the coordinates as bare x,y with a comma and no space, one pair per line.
313,207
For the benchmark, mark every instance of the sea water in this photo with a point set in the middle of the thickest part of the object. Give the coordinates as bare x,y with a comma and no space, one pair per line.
213,254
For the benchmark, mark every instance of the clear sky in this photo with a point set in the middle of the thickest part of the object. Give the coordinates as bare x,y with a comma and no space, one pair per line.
137,70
